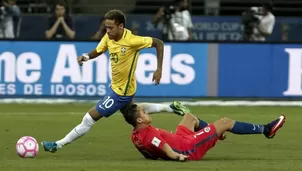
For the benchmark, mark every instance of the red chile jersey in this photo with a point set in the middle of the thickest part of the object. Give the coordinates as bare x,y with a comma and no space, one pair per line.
150,141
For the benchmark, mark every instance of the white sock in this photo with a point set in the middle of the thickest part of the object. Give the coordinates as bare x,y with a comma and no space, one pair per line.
78,131
155,108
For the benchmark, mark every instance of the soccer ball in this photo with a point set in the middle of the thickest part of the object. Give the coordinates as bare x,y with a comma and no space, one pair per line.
27,147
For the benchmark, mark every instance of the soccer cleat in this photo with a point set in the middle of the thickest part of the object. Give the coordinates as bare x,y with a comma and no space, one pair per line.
271,128
49,146
179,109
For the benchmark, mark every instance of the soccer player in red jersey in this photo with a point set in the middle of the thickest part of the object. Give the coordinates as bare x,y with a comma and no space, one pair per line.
193,137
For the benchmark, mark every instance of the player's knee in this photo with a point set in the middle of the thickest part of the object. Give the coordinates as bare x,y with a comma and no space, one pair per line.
224,124
190,118
95,115
88,120
229,123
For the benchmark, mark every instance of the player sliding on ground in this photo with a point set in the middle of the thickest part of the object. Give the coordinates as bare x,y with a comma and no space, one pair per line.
193,137
123,47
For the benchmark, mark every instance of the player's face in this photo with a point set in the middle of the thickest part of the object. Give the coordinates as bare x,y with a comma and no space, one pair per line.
60,10
143,116
113,30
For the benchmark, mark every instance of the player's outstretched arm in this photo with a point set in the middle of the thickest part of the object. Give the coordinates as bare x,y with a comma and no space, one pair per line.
159,45
99,50
93,54
173,155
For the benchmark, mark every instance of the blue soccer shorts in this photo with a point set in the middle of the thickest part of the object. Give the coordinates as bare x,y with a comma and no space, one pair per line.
112,102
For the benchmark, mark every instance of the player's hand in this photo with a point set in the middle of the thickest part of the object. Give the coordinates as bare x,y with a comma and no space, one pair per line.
157,76
82,59
182,158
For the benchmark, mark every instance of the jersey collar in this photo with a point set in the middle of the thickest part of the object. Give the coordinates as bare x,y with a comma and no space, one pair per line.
125,33
140,129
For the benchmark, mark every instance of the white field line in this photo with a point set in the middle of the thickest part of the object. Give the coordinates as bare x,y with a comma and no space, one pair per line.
58,114
244,103
189,103
41,113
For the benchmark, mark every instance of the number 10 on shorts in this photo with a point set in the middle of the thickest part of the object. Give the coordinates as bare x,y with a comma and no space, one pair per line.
108,102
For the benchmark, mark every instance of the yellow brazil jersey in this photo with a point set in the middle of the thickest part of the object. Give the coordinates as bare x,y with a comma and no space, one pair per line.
123,58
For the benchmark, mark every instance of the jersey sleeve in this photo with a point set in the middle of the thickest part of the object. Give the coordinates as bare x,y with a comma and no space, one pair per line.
102,46
140,42
154,139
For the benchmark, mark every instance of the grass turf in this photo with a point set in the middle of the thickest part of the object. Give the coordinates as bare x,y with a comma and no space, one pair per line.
108,147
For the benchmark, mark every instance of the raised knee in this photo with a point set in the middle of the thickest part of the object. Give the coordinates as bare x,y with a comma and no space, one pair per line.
190,117
225,123
225,119
229,123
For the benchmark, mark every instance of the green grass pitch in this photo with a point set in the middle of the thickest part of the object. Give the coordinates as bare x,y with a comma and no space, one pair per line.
108,146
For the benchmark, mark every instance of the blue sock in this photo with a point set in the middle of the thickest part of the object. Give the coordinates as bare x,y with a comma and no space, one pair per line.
247,128
202,124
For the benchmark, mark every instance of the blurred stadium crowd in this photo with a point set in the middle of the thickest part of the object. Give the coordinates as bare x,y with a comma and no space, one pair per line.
181,20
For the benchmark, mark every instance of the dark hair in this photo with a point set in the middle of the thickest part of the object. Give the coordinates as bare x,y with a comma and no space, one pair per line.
131,115
61,3
178,2
268,6
116,15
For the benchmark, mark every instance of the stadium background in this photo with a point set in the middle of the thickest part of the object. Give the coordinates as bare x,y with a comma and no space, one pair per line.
214,65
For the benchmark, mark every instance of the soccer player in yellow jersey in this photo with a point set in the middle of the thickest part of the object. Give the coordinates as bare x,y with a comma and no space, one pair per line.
123,47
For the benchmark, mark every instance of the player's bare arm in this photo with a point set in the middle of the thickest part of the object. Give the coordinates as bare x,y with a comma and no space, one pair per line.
173,155
93,54
159,45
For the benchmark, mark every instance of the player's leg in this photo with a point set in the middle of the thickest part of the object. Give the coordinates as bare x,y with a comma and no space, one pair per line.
104,108
88,120
153,108
236,127
190,124
175,107
194,124
150,108
81,129
202,141
206,138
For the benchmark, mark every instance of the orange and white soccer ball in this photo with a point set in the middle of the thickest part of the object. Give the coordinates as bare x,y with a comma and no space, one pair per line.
27,147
